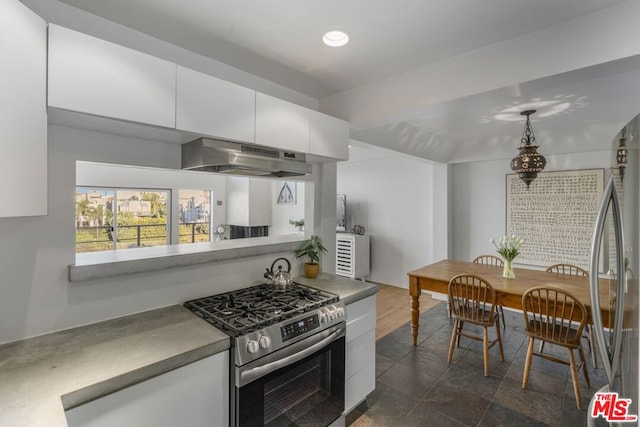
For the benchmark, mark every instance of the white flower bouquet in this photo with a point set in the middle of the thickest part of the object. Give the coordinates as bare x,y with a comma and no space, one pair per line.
508,247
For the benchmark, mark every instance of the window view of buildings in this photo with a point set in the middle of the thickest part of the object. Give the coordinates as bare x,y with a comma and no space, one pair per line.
120,218
194,216
108,219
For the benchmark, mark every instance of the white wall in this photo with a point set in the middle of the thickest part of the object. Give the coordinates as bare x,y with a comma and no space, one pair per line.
35,295
478,208
393,198
282,213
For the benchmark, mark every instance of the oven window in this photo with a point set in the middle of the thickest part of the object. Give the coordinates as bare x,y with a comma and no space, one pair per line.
307,393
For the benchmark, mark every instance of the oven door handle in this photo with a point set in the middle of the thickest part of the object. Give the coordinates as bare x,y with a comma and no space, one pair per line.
258,372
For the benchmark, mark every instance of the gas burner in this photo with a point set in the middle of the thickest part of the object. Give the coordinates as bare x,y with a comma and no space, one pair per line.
250,309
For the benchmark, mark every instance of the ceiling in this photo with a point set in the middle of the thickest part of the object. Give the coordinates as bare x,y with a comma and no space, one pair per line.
280,40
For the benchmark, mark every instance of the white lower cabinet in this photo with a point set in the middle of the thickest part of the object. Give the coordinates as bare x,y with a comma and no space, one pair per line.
360,367
193,395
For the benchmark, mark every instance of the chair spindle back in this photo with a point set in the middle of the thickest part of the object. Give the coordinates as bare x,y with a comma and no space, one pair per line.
549,313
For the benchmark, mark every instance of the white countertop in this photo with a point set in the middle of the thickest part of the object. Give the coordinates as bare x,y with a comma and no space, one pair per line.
41,377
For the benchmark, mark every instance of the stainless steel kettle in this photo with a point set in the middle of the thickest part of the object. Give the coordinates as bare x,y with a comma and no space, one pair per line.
280,278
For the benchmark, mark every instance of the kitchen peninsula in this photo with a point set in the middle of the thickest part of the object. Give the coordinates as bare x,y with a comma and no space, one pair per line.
42,377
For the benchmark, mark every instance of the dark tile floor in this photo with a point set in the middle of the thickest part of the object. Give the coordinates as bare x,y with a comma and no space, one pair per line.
415,386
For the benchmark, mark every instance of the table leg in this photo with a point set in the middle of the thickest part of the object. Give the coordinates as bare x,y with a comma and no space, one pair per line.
414,293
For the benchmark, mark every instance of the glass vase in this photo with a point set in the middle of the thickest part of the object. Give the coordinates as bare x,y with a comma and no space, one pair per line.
507,271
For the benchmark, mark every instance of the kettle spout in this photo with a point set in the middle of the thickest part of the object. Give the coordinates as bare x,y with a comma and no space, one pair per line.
268,274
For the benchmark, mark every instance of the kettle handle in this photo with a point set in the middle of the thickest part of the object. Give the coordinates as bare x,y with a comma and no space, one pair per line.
273,265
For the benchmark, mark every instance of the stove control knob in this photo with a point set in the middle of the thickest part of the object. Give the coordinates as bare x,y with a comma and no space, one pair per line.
264,341
252,346
324,315
340,311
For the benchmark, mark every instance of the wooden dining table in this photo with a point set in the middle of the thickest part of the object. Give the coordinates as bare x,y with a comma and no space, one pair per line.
435,278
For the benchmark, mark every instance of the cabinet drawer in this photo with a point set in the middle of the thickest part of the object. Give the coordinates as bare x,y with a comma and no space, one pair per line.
359,386
361,351
361,325
361,317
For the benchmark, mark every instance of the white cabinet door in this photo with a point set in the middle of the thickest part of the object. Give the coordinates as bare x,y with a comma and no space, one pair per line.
214,107
23,111
360,367
193,395
93,76
329,136
281,124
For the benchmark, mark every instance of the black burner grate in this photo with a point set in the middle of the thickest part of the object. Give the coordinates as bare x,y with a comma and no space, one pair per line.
249,309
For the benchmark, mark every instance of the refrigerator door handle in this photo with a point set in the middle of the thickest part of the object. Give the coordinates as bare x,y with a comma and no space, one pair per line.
609,353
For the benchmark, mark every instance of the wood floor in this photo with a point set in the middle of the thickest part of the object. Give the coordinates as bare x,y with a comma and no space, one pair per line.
392,308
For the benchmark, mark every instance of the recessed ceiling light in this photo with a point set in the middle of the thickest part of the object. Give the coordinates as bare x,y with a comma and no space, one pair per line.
335,38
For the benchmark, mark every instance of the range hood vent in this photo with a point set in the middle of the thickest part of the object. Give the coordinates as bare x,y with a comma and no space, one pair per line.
212,155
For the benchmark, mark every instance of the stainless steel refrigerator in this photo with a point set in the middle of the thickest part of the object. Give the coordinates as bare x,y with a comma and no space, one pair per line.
614,270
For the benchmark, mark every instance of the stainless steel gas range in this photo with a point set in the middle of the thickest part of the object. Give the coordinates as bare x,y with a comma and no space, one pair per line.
288,353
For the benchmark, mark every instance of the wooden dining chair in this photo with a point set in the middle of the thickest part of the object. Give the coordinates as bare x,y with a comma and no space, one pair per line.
489,260
568,269
473,300
574,270
555,316
496,262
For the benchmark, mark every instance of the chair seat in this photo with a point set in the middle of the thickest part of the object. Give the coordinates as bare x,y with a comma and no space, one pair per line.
475,315
555,334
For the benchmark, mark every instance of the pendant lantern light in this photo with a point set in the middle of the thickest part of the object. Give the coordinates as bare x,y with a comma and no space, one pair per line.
528,162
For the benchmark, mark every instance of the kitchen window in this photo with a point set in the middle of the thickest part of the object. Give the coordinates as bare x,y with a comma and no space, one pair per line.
120,218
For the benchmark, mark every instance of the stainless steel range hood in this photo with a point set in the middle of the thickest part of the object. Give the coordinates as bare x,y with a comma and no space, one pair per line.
212,155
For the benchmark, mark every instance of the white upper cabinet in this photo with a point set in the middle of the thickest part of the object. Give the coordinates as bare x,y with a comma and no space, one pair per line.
23,111
93,76
329,136
214,107
281,124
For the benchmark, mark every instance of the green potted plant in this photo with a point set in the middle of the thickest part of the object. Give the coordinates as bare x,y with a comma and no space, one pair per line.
298,223
312,247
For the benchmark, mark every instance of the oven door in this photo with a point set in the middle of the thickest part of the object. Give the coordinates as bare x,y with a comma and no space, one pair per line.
299,385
